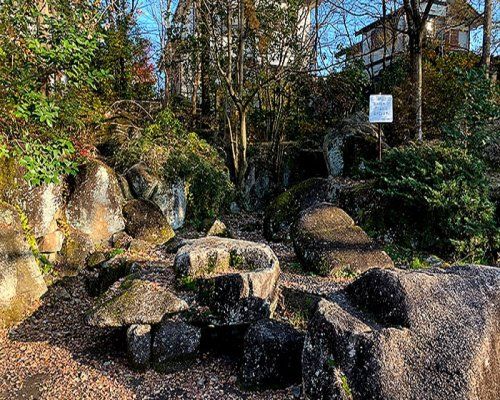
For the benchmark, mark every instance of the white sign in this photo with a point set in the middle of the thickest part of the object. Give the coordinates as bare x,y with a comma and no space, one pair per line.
380,108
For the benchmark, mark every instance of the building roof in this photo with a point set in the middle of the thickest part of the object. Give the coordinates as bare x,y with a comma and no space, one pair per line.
400,11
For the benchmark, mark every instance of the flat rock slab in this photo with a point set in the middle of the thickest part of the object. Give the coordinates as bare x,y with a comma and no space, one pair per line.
404,335
236,279
135,301
327,241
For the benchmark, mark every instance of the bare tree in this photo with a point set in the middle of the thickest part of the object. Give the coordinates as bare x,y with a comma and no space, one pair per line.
253,45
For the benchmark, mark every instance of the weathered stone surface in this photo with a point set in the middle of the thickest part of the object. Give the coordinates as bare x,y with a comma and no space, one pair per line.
139,342
219,229
355,140
95,206
327,241
175,345
395,334
42,206
121,240
76,249
236,279
103,276
135,301
272,355
145,221
51,243
21,282
283,211
170,198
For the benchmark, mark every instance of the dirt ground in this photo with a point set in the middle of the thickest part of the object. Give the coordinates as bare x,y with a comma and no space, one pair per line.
54,355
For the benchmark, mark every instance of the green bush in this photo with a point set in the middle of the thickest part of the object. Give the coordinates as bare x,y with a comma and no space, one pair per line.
435,198
174,153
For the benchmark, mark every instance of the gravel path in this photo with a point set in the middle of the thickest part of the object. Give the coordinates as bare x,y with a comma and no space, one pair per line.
55,355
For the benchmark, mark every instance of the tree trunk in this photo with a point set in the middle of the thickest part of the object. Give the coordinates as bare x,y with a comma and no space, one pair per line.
487,28
417,78
242,153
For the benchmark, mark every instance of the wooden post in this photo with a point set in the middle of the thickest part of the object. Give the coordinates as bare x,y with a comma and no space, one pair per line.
380,142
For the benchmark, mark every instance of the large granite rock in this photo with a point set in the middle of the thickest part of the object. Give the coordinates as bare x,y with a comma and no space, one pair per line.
175,345
327,241
272,355
21,282
283,210
404,335
145,221
139,342
135,301
236,279
76,249
170,198
42,206
355,140
95,205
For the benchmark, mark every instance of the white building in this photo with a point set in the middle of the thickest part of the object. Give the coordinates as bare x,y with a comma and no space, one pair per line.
448,29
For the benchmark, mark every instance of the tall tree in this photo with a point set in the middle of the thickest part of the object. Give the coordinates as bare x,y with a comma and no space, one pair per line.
416,18
254,45
487,32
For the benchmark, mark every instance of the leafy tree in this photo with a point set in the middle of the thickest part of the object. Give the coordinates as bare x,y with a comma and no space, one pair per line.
47,79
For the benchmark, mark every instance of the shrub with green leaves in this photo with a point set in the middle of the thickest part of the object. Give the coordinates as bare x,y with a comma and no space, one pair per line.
174,153
435,198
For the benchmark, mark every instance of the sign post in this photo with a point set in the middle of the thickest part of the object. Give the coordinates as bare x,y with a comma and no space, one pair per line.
380,113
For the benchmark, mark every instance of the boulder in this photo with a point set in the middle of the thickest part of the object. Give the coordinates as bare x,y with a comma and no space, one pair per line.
272,355
104,275
95,206
353,142
121,240
21,282
76,248
52,242
395,334
175,345
219,229
135,301
42,206
139,342
145,221
171,198
327,241
236,279
283,210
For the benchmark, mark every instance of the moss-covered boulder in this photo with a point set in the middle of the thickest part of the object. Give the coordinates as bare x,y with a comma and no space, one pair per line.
219,229
95,205
145,221
237,280
134,300
21,282
283,211
327,241
76,249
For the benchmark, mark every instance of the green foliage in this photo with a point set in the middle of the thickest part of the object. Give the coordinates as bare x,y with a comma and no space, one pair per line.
477,117
47,83
435,198
43,162
44,264
458,100
174,153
